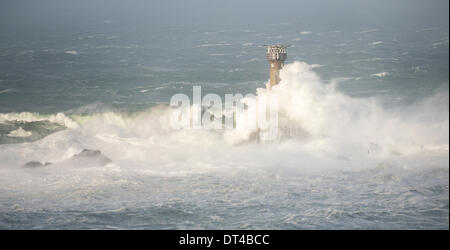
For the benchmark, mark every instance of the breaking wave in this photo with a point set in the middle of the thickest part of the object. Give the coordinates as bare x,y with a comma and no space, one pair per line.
59,118
315,120
347,161
20,132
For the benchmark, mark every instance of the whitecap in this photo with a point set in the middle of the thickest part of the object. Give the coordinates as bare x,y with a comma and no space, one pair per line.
20,132
381,74
58,118
376,43
71,52
6,91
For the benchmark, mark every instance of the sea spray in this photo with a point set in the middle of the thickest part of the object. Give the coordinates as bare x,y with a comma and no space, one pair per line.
311,113
346,161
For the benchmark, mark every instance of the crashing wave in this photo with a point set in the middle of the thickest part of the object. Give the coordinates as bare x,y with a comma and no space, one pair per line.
20,132
59,118
314,118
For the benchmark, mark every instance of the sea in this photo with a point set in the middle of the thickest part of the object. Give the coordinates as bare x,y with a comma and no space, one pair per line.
363,116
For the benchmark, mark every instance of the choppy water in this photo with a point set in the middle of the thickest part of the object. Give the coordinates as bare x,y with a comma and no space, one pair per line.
374,154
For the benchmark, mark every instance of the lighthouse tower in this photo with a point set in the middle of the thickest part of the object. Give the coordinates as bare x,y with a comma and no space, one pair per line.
276,54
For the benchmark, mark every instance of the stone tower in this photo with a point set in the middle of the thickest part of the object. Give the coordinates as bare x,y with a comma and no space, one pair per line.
276,54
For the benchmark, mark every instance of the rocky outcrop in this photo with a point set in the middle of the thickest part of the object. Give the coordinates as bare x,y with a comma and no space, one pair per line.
35,164
86,158
89,157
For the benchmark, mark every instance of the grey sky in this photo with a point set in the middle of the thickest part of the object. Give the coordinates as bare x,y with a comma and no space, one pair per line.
28,14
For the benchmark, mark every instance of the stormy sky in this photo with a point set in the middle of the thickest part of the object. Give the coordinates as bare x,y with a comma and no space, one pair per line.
23,15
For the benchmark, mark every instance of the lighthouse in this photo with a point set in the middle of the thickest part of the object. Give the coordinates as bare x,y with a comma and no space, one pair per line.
276,54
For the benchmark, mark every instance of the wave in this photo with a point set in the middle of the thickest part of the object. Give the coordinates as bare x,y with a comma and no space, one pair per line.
381,74
6,91
20,132
376,43
316,66
324,118
71,52
319,127
205,45
366,31
59,118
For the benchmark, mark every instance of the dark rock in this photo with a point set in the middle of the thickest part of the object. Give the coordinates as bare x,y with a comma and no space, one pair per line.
89,157
35,164
86,158
88,153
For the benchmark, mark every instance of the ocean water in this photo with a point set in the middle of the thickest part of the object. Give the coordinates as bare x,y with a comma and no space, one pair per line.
363,121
